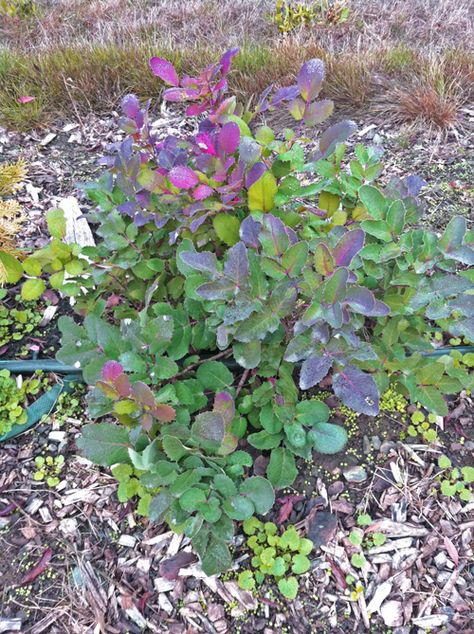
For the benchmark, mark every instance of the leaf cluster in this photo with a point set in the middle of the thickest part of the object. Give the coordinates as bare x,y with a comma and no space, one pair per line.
13,400
278,556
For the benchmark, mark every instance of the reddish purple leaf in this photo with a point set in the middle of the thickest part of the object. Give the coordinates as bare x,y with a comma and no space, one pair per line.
224,404
206,144
37,570
111,371
130,106
26,99
202,191
348,246
249,231
169,568
286,509
174,94
335,134
165,70
254,174
357,390
183,177
310,79
226,59
122,385
229,138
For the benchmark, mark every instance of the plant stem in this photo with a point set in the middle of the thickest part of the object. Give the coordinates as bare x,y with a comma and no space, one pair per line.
219,355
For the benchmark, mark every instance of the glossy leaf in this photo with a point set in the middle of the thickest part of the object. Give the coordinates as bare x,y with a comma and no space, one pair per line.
310,79
165,70
348,246
261,195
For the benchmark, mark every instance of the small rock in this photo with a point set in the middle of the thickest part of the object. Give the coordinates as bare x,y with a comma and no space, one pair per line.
355,474
58,436
68,526
366,444
440,560
376,442
392,613
127,540
443,577
336,488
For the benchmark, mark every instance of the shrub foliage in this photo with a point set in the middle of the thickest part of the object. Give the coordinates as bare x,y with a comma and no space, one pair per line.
236,269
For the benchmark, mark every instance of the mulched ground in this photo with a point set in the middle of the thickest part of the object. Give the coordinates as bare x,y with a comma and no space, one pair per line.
105,572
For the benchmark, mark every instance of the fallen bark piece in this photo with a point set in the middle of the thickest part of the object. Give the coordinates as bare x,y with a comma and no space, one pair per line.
77,227
381,593
396,529
392,613
10,625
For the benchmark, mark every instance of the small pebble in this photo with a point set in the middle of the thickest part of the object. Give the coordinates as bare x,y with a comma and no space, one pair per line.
355,474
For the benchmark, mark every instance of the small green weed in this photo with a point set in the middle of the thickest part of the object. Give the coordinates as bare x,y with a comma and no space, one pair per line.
49,468
455,481
275,556
13,398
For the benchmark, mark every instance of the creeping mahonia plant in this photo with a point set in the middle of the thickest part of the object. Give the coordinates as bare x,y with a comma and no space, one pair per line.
236,268
281,556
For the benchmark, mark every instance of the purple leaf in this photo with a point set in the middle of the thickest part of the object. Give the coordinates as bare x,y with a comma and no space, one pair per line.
229,138
274,237
357,390
334,289
111,370
205,261
318,111
183,177
254,174
220,289
313,370
174,94
414,184
249,232
224,404
202,191
310,79
285,94
380,309
348,246
226,59
360,299
236,267
197,222
205,143
130,106
335,134
165,70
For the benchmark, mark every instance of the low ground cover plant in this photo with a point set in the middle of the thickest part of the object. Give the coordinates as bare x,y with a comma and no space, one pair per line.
14,396
235,270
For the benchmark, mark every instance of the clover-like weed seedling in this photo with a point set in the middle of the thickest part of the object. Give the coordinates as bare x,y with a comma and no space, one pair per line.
276,556
455,481
422,425
357,538
49,468
13,398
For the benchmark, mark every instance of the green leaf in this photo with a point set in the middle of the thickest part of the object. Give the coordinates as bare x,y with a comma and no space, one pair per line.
248,355
11,269
190,499
56,223
377,228
431,398
294,259
301,564
159,506
374,201
260,492
173,448
227,228
448,489
104,444
214,376
468,474
261,195
264,440
358,560
288,587
281,469
246,580
239,507
217,557
311,412
444,462
224,485
328,438
32,289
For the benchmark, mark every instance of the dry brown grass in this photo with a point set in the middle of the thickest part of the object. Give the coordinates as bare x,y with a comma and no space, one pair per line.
398,58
